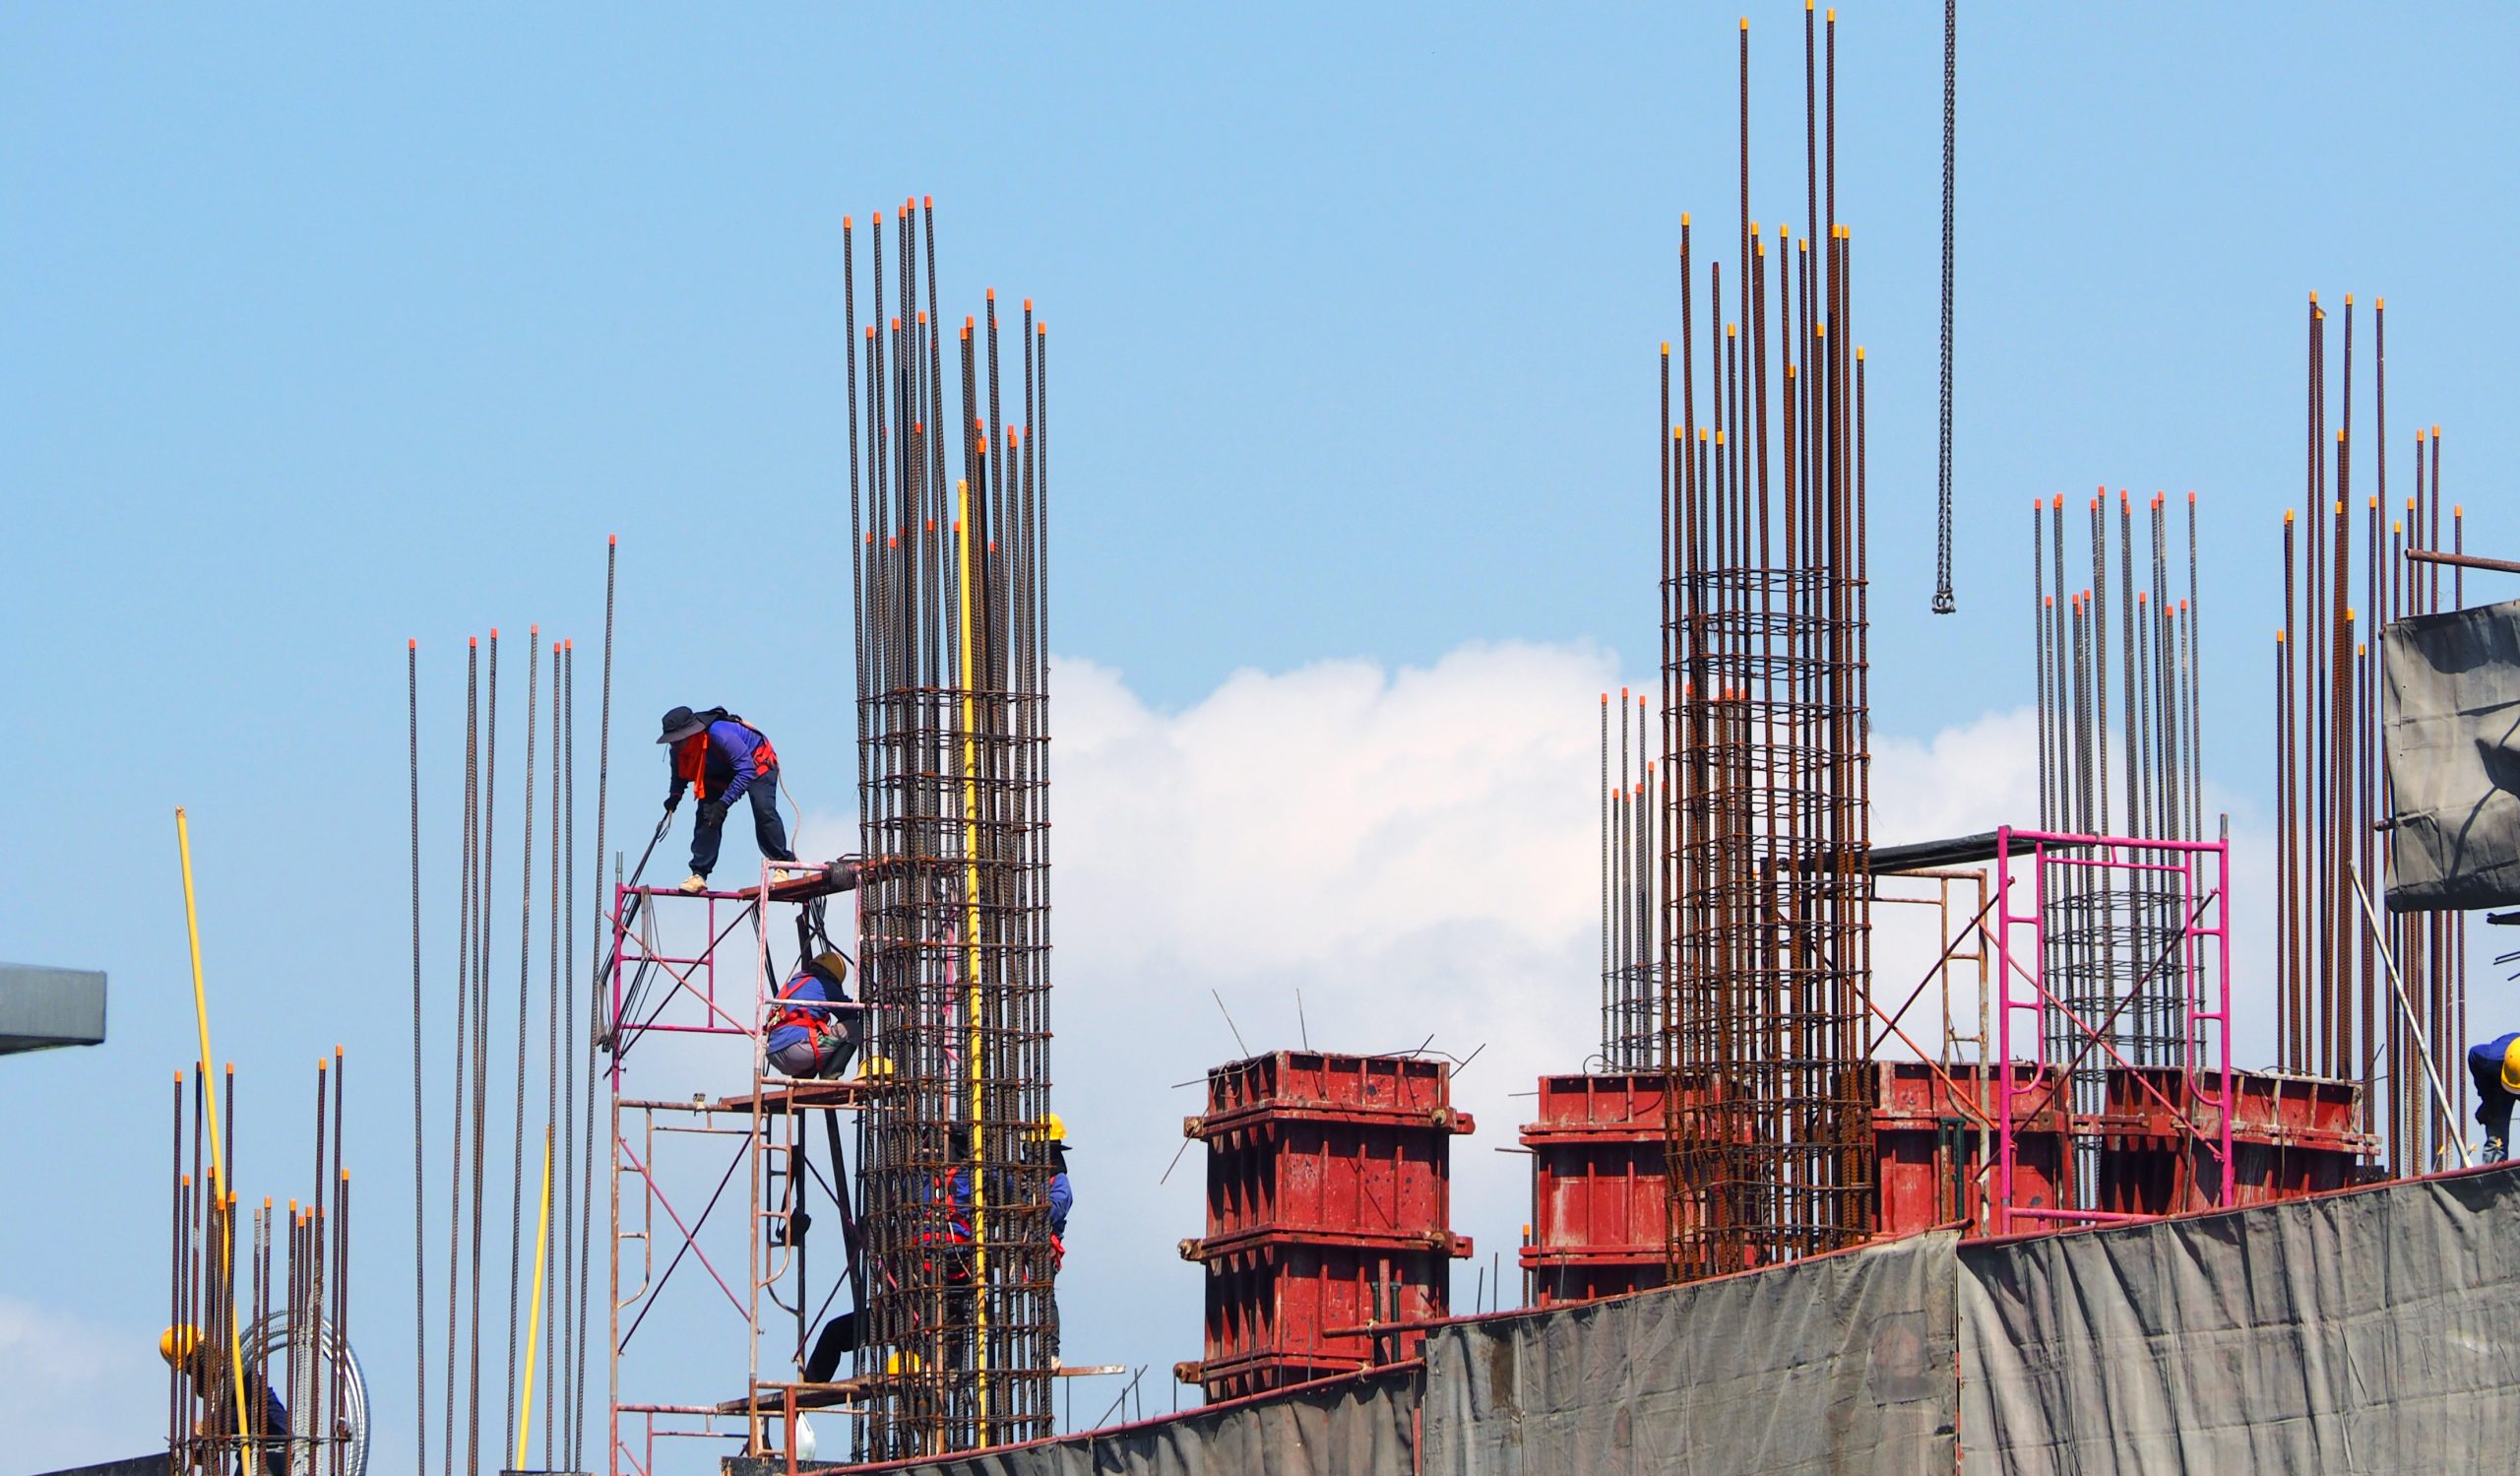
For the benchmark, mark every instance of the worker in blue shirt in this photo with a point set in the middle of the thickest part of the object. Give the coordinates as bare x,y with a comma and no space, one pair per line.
1060,1195
804,1042
723,759
2494,1067
205,1366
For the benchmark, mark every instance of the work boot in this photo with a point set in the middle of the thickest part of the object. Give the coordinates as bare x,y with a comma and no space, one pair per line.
695,882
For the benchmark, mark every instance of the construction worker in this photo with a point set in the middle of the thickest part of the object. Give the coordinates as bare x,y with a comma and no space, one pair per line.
806,1043
2495,1068
204,1363
724,759
1061,1196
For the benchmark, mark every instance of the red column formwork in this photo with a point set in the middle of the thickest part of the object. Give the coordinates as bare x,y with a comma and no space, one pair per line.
2291,1136
1600,1177
1935,1129
1329,1215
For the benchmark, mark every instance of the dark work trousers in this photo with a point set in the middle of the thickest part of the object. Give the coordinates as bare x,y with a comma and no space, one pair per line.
2493,1103
710,827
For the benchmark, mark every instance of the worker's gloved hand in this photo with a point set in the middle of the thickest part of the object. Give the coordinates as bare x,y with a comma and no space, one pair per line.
672,801
712,811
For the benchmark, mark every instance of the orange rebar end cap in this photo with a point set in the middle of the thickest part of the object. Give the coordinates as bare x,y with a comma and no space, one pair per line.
992,295
897,325
494,632
2349,300
2095,504
612,540
1666,347
2458,510
1027,304
2379,304
569,644
474,641
2060,502
416,644
923,316
2192,496
1746,23
2139,597
845,223
2436,430
2288,517
2279,637
1859,354
1042,329
2396,526
927,200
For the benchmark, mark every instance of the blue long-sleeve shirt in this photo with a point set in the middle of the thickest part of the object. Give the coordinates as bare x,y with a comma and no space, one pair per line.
727,762
1062,1197
806,987
2484,1068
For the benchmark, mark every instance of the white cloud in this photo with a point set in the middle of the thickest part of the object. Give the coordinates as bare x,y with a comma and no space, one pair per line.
75,1394
1413,849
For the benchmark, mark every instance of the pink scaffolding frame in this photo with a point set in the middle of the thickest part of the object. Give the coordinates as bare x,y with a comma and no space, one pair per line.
2198,958
755,1112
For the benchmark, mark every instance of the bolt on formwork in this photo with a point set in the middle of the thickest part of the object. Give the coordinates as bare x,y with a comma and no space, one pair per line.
948,512
1765,745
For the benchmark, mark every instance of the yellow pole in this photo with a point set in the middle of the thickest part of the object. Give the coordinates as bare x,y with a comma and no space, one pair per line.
971,954
533,1322
218,1195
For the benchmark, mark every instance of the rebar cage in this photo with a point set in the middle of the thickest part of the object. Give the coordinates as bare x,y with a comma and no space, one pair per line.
960,1333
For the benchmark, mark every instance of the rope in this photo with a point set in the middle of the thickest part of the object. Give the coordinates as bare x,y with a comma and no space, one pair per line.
1943,603
463,995
524,990
420,1198
481,1042
586,1220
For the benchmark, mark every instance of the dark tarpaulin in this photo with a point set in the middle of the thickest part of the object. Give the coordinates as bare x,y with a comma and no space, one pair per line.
1839,1363
2450,731
2375,1331
1356,1426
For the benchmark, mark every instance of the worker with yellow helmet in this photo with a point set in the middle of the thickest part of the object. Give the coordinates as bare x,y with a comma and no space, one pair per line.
2494,1066
1051,1134
204,1363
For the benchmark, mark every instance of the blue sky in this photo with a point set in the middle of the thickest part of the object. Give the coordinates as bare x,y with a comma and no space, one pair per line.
320,331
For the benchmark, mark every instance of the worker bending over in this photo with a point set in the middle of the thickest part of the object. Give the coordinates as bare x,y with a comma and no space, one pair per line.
724,759
204,1365
2495,1068
806,1041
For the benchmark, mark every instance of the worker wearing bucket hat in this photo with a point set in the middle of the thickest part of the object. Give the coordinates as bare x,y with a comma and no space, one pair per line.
2494,1067
723,758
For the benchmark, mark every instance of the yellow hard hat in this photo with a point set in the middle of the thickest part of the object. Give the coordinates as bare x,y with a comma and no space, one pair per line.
2511,1067
901,1363
832,966
1051,1129
178,1344
875,1068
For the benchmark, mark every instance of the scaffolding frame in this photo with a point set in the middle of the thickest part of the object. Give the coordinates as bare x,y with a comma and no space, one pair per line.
768,1125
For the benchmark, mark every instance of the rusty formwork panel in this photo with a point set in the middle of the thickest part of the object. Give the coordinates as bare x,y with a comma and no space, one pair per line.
1600,1189
2292,1136
1934,1130
1329,1215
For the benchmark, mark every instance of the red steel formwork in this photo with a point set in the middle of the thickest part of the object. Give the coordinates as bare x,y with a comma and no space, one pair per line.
2291,1136
1600,1189
1329,1215
1934,1128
